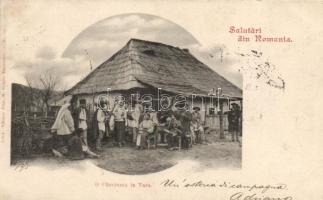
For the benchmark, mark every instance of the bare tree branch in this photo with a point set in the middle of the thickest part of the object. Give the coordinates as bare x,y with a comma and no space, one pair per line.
45,85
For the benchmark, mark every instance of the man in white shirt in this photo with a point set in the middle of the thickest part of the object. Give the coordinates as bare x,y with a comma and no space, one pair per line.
101,118
119,113
133,116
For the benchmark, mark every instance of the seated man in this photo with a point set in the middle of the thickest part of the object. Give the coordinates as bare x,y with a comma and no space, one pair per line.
185,118
154,118
173,130
162,125
146,127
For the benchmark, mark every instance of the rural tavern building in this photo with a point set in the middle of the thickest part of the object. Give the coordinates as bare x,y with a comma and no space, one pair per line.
145,67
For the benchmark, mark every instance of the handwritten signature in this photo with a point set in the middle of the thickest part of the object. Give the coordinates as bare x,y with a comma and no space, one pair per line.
254,196
225,184
250,192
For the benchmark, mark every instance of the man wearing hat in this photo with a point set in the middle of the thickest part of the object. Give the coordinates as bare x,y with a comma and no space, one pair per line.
234,121
133,116
182,114
162,117
99,120
120,116
82,121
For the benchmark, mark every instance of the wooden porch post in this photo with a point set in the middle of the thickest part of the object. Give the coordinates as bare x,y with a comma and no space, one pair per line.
241,119
205,113
221,120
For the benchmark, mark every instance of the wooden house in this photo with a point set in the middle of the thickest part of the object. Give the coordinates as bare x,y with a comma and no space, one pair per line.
145,67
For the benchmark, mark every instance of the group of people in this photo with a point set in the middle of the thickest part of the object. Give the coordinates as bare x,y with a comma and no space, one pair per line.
174,127
70,138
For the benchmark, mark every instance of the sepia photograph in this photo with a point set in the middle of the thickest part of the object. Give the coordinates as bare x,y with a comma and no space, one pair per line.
143,100
166,100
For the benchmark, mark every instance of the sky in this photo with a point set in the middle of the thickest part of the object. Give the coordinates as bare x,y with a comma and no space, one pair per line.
99,41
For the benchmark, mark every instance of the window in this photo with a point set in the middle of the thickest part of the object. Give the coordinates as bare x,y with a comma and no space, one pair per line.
149,52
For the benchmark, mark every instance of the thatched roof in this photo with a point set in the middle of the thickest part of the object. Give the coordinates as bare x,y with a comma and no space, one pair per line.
142,64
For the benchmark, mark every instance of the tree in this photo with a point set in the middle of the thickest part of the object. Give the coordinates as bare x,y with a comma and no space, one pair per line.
43,88
31,96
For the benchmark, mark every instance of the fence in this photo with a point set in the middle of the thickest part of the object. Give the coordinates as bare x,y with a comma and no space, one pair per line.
29,134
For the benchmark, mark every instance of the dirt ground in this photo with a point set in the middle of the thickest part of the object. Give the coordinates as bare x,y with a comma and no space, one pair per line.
214,154
127,160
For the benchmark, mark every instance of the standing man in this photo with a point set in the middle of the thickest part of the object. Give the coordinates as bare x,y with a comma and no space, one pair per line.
82,121
64,128
183,115
133,119
74,111
100,118
119,113
234,121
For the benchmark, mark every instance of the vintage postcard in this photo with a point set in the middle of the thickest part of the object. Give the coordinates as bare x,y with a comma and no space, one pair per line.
161,100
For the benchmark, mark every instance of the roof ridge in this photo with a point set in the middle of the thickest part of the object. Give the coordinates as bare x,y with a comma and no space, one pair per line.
205,66
151,42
